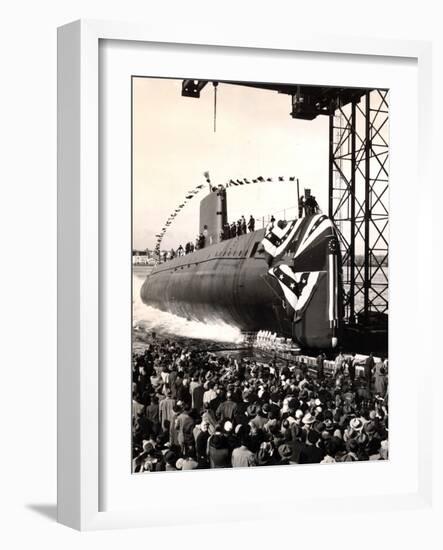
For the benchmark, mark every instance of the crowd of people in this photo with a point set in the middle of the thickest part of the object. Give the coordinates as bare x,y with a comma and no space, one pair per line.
307,206
187,249
193,409
235,229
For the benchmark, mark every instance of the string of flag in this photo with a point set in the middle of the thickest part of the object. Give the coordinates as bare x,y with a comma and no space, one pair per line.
189,196
193,192
260,179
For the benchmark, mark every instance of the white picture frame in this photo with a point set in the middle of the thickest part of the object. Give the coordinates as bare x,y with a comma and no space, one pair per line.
79,271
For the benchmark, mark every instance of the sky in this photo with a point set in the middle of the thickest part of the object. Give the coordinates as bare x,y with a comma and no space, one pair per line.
174,143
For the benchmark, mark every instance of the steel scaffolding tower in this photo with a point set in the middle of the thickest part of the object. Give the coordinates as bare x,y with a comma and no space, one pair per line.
358,201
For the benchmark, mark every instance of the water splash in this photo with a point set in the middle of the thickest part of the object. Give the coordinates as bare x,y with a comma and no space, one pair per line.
151,319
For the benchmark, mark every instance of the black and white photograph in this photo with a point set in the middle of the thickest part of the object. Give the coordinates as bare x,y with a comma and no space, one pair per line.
260,257
225,221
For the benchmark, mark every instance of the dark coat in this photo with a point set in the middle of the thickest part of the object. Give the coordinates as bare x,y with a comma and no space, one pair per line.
219,452
309,454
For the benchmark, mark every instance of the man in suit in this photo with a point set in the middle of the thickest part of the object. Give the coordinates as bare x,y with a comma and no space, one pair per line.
184,425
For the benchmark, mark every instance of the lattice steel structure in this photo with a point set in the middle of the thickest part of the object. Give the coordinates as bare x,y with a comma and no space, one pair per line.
358,201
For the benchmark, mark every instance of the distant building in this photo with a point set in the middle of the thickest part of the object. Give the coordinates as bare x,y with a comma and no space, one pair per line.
142,257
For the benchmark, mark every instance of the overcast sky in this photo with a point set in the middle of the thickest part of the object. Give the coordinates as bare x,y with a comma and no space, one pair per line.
174,143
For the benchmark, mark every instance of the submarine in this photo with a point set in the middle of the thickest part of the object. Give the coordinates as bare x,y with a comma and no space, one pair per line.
284,278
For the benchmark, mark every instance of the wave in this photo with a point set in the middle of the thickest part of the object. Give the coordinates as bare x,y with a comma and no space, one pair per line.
150,319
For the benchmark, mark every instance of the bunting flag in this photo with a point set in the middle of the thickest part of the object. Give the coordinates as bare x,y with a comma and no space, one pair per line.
303,236
277,239
298,288
317,226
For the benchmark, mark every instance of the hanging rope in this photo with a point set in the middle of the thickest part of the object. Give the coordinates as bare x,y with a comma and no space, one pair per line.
215,84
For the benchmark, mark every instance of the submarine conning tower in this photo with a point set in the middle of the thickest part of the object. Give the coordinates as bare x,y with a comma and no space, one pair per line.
213,215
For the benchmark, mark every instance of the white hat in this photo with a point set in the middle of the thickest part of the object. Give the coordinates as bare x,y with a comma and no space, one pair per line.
308,419
356,424
228,426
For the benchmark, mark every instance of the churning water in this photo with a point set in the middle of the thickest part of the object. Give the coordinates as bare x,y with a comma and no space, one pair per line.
148,319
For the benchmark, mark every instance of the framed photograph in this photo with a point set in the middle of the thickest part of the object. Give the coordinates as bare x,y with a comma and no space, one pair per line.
236,284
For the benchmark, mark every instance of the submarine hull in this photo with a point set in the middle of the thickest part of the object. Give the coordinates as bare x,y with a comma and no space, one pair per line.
237,281
223,282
